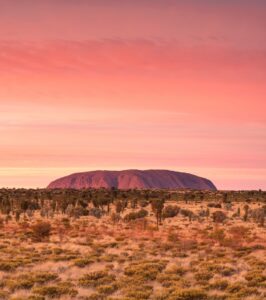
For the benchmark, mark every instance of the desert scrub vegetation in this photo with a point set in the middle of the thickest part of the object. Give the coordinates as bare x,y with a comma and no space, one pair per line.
145,270
83,262
41,231
95,279
142,213
183,294
112,244
56,291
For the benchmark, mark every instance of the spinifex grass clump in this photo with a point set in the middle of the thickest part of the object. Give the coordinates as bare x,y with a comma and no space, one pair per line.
146,270
95,279
56,291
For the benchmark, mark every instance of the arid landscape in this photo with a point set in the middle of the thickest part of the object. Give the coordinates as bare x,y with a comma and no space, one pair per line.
132,244
132,150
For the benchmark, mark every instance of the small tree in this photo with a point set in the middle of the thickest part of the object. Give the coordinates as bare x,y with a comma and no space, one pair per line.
207,212
157,207
238,212
246,209
118,206
115,218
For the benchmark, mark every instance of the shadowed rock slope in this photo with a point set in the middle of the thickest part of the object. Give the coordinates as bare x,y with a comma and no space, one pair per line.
130,179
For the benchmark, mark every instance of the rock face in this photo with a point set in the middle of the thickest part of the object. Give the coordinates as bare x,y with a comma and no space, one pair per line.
131,179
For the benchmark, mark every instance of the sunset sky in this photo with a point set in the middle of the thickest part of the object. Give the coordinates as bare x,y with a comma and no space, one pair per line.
121,84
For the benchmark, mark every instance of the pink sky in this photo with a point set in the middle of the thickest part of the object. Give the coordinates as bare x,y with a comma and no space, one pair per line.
124,84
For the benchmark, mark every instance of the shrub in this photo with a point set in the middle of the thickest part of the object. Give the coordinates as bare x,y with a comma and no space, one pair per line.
239,232
95,296
214,205
170,211
203,276
4,295
143,203
95,212
219,285
147,270
188,294
66,222
8,266
239,289
25,284
168,279
187,213
176,270
236,287
95,279
27,281
255,277
43,277
227,271
220,297
218,235
172,236
115,218
82,262
136,215
107,289
138,294
55,291
219,216
41,230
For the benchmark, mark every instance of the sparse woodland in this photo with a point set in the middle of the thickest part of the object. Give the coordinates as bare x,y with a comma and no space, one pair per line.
134,244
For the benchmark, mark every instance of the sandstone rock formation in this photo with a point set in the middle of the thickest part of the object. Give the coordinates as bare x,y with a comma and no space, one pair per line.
130,179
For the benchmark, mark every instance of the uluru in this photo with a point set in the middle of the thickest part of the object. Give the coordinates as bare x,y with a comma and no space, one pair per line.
133,179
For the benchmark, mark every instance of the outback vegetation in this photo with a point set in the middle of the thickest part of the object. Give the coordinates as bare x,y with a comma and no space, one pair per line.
134,244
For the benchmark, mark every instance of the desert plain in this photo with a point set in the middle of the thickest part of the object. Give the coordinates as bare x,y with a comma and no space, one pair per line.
132,244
